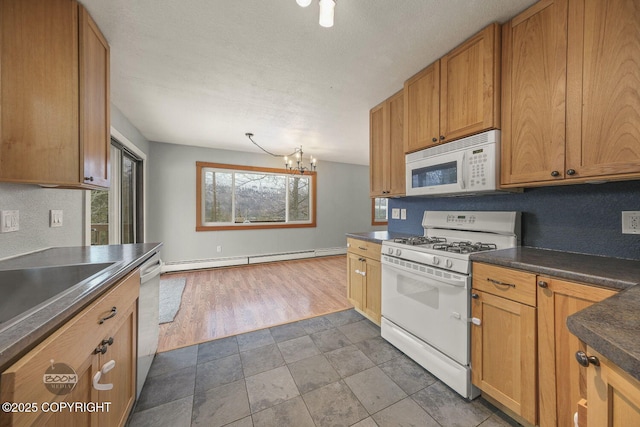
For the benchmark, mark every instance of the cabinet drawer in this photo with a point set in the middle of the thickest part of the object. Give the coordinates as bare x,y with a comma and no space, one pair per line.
72,344
511,284
364,248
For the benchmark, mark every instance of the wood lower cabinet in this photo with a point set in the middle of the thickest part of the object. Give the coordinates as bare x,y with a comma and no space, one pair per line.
54,105
562,380
76,345
364,278
503,338
571,93
456,96
613,395
386,151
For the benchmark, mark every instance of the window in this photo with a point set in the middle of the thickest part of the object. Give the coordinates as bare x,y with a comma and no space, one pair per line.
379,207
116,214
233,197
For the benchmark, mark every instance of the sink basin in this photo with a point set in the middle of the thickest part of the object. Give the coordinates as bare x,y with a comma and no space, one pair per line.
24,291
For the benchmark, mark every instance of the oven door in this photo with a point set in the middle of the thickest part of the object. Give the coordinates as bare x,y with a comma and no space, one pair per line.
435,174
430,303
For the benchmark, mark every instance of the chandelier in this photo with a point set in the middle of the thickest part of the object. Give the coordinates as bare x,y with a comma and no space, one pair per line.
299,167
327,8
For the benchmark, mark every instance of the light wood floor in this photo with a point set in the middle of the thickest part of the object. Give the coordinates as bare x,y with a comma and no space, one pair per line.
227,301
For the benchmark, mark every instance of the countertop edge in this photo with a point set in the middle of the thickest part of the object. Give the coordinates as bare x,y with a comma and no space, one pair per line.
12,349
376,236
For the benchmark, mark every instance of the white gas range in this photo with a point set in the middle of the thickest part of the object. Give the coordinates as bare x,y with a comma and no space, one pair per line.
426,283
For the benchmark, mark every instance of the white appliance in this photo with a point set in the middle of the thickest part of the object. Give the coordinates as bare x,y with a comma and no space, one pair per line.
148,315
469,165
426,284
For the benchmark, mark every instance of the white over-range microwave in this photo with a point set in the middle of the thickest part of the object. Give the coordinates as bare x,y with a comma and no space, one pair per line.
466,166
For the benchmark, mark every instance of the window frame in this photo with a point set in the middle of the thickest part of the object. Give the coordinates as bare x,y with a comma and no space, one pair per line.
373,212
201,166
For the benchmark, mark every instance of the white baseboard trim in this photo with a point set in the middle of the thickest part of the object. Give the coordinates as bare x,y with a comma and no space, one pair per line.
251,259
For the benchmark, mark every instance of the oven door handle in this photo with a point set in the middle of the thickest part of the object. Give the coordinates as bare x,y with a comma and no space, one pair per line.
451,282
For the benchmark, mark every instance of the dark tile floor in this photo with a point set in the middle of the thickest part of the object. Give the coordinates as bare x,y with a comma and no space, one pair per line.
333,370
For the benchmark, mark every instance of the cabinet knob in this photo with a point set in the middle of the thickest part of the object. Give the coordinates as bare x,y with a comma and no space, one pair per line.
101,349
555,173
543,284
475,296
441,137
108,341
88,178
571,171
434,139
585,360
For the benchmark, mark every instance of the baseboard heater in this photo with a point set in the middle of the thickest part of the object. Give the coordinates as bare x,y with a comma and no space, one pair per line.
251,259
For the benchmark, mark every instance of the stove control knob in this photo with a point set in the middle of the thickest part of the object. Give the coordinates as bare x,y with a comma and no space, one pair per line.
398,252
436,260
390,251
448,264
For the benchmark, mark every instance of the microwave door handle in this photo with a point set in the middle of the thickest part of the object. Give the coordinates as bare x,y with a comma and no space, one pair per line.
463,166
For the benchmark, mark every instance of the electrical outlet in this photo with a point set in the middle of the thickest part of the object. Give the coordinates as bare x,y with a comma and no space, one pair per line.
403,214
55,218
630,222
10,221
395,213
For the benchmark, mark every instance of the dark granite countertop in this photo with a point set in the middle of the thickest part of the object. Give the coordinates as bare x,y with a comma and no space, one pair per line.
20,337
611,327
613,273
377,236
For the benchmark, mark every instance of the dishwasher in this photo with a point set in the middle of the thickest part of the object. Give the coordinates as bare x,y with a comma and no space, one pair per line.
148,311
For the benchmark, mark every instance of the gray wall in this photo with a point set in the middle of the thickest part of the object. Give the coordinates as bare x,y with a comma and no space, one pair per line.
124,126
343,206
34,203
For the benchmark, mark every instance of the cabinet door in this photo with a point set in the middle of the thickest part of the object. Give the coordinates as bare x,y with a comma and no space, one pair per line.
355,280
604,74
534,91
470,86
123,375
562,380
422,109
39,99
94,103
614,396
378,152
397,178
372,291
503,353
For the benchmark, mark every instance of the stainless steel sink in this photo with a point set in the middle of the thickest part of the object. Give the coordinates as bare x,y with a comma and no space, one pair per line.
24,291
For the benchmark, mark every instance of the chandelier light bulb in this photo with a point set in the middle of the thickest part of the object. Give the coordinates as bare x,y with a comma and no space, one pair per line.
326,13
303,3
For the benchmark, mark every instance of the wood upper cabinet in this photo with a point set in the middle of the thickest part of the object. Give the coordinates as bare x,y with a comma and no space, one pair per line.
562,380
613,395
503,338
456,96
386,151
364,277
76,345
571,93
54,115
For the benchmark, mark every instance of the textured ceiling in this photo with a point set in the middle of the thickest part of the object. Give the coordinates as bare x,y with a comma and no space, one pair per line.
205,72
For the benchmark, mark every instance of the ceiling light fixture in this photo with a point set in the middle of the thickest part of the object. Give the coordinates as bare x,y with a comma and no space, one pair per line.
299,167
327,8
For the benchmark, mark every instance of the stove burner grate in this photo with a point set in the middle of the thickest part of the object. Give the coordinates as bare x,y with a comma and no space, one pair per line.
419,240
464,247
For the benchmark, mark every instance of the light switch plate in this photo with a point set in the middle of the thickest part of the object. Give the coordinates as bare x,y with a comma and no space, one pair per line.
395,213
403,214
55,218
630,222
10,221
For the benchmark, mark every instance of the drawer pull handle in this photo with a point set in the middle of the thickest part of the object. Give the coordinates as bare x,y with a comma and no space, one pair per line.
114,311
585,360
362,248
499,283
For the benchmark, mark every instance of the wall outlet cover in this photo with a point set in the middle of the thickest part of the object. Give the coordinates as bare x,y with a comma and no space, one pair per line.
9,221
630,222
403,214
395,213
